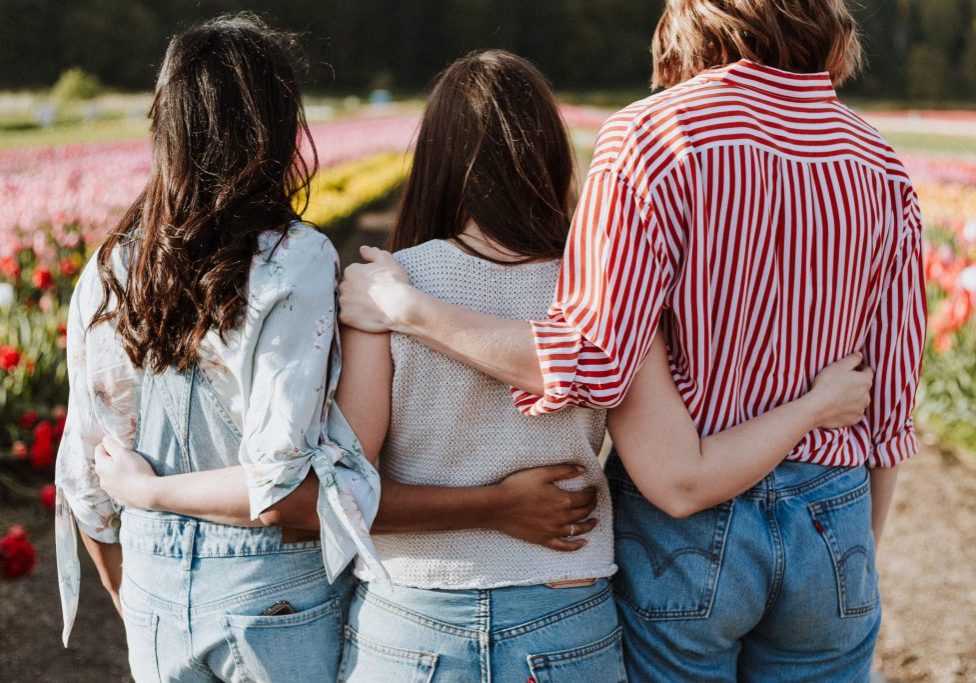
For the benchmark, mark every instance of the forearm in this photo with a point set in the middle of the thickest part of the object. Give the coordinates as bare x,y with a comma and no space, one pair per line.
883,481
736,459
407,509
690,475
107,558
215,495
501,348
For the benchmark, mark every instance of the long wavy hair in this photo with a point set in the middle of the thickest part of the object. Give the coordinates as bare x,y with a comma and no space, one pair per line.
494,150
227,132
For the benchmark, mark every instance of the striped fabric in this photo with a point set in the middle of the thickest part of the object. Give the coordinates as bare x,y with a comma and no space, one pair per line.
769,231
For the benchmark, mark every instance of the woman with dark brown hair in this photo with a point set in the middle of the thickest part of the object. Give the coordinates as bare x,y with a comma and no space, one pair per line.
202,335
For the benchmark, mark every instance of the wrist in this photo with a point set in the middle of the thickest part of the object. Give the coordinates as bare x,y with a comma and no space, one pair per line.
492,501
149,493
408,312
812,409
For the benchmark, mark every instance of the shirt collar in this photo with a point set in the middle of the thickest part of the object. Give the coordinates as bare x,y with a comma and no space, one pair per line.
775,82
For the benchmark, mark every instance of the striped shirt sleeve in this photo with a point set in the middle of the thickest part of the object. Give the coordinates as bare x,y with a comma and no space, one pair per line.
608,302
895,343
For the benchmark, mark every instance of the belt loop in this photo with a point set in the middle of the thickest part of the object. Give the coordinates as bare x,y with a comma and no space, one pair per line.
189,542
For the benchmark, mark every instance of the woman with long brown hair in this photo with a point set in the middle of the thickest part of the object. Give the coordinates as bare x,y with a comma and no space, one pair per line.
202,335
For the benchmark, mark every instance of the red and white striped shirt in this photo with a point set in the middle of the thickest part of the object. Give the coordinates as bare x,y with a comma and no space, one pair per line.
770,231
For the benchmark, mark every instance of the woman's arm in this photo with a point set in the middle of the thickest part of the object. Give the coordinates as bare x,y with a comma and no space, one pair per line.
214,495
108,561
527,504
883,480
683,474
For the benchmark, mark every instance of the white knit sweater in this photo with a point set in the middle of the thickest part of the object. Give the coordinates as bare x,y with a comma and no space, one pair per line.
454,426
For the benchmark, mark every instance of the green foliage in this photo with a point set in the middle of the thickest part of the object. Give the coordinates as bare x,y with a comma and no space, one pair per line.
76,84
916,48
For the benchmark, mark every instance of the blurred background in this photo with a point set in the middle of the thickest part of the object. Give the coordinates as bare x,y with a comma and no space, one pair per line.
75,82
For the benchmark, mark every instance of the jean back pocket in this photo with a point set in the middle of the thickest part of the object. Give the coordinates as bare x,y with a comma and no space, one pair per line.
366,661
669,568
844,523
141,635
302,646
599,661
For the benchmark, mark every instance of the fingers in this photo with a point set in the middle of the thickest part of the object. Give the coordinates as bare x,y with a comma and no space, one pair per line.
374,254
565,546
581,528
850,362
581,499
111,446
561,472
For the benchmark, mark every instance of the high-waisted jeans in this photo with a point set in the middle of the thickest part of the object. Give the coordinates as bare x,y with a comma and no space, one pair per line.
518,633
778,584
193,593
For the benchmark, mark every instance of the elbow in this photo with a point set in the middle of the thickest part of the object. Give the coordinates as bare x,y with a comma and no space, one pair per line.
681,501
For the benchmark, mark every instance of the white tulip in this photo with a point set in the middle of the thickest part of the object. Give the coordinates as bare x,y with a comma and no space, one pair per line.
6,295
967,279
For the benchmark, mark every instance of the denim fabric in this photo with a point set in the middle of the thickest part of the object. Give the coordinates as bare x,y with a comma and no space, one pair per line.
778,584
193,591
517,633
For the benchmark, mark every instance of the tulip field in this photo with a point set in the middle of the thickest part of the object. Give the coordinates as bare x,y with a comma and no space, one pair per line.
57,204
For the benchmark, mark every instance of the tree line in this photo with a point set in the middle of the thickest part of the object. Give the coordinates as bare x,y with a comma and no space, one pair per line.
922,50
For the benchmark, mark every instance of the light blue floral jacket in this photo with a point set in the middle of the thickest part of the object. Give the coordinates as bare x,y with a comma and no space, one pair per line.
277,375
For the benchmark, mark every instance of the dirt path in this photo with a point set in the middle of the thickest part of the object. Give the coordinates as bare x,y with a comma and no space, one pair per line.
928,573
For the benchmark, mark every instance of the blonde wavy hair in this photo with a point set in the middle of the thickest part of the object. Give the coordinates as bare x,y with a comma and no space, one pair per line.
794,35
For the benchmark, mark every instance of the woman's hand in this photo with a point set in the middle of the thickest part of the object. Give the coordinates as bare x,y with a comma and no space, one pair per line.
373,296
533,508
841,393
124,475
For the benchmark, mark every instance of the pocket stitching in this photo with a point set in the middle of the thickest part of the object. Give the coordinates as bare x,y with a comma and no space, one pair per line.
613,642
150,621
320,612
716,557
425,662
276,621
838,559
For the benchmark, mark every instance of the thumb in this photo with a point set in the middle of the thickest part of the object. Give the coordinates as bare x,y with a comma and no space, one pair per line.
564,471
372,254
850,362
111,446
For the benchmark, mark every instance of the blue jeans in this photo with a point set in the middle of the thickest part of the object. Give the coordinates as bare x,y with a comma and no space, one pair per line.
192,596
518,633
778,584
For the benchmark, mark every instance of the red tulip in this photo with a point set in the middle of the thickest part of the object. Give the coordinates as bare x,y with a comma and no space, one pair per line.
28,419
10,267
42,278
19,450
49,494
9,358
17,553
42,450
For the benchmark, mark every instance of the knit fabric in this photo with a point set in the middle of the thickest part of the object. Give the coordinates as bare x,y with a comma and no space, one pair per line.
454,426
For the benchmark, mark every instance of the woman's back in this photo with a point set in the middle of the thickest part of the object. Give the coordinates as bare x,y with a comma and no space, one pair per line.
454,426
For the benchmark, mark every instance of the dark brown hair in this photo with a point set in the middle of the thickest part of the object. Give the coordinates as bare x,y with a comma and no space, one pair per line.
226,121
492,149
803,36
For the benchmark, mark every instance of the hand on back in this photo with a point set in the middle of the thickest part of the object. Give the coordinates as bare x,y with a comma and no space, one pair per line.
842,392
537,510
370,293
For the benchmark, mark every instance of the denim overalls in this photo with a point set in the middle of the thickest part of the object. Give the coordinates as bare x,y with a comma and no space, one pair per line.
193,592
